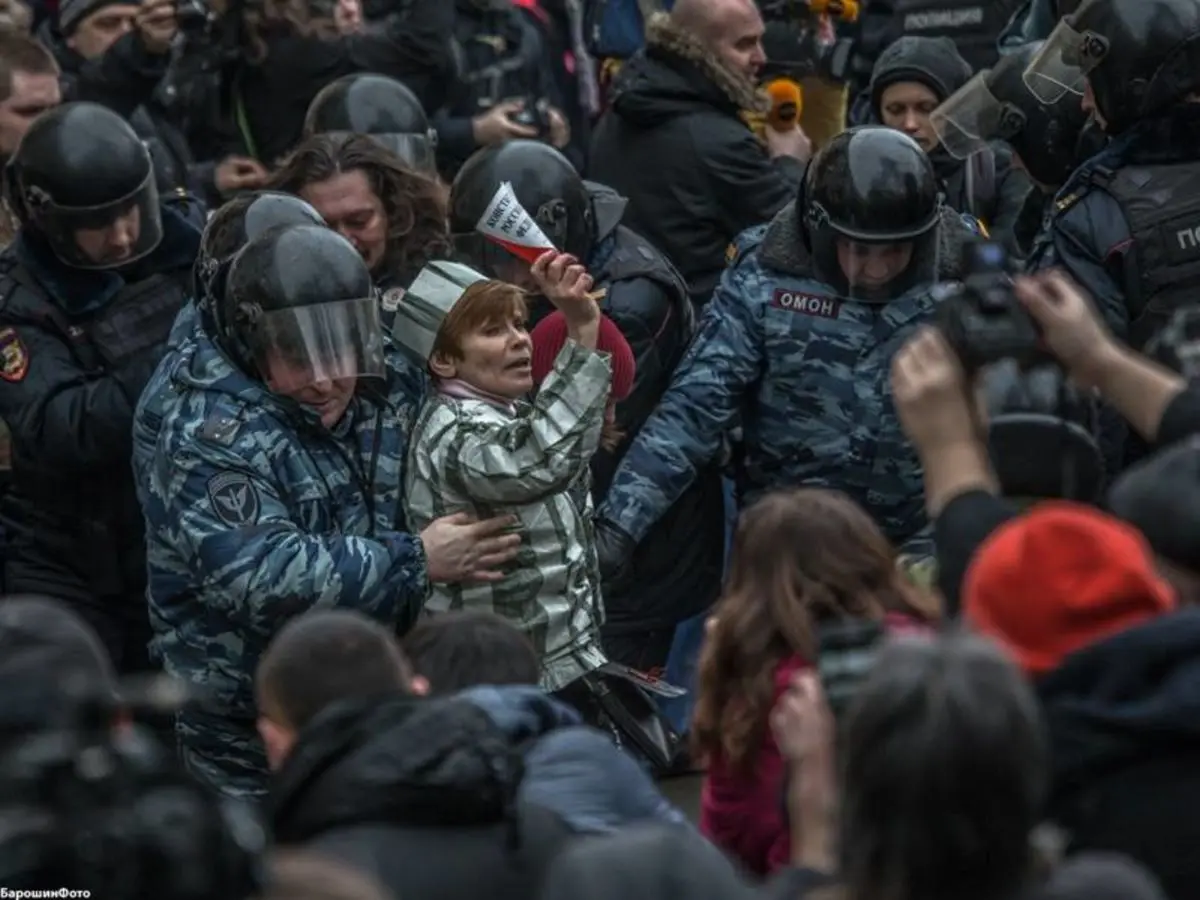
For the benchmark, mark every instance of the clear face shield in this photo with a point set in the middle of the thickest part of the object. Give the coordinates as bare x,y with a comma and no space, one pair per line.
1064,62
972,116
99,237
301,346
417,151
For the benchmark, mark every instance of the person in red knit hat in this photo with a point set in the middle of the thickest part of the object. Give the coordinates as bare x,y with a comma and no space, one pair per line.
550,336
1058,579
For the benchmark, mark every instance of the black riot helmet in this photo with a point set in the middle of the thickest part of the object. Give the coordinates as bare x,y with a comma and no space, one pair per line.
1043,434
996,105
545,184
83,181
1139,56
379,107
230,228
299,305
872,190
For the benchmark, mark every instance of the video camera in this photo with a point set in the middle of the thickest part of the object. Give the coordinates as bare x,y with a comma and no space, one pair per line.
91,802
982,320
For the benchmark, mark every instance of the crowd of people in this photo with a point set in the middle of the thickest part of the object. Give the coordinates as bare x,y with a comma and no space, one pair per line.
432,428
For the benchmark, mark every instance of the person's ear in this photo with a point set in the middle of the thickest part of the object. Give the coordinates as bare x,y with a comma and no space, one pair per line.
277,741
442,366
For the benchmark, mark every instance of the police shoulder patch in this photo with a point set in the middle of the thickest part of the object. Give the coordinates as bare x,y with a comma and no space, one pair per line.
14,358
221,427
731,253
234,499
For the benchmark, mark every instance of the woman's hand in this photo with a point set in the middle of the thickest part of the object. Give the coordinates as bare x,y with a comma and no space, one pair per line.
567,285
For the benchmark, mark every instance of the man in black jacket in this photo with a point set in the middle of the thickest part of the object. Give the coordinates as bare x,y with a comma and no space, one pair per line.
675,144
420,793
88,293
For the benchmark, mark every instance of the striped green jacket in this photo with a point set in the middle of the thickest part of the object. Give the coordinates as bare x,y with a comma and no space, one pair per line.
468,455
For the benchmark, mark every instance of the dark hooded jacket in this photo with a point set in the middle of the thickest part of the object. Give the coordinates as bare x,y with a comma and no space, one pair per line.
673,142
571,769
1124,724
422,794
986,185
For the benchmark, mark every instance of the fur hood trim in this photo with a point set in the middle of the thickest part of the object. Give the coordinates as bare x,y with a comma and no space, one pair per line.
663,34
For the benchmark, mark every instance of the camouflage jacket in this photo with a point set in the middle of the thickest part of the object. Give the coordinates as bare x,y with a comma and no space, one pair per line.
158,393
468,455
256,513
807,374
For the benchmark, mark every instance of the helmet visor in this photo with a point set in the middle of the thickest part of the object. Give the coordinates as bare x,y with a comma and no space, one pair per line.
415,150
865,271
492,260
1064,62
99,237
968,118
321,342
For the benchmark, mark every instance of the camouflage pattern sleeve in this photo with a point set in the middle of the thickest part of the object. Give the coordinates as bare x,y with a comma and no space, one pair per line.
266,567
544,451
686,430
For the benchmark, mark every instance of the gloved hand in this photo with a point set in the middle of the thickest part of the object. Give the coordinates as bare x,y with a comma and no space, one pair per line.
614,550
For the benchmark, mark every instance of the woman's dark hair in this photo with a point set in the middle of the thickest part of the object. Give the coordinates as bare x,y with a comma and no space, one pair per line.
415,203
943,771
800,558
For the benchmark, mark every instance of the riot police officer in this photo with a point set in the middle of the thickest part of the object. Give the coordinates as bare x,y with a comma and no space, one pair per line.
678,562
1048,140
1124,224
797,341
275,486
89,291
380,107
230,228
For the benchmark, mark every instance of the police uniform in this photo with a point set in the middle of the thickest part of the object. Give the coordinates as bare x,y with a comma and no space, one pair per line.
678,563
76,348
255,513
808,371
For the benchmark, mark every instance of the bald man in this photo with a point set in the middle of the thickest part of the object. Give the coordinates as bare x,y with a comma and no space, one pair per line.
674,143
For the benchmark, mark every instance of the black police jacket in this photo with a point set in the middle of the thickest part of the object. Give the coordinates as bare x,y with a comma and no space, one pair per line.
678,565
76,349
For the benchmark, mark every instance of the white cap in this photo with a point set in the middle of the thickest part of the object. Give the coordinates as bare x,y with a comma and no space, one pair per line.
434,292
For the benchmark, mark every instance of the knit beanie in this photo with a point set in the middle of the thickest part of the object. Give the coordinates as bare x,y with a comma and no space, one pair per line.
1160,496
72,12
550,335
932,61
1059,578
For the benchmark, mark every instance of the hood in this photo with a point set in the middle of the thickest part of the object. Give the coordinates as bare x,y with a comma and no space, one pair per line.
398,760
68,60
785,247
933,61
522,713
79,291
1129,697
675,76
608,207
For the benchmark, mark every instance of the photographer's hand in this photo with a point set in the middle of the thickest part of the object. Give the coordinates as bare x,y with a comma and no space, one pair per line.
938,413
1138,388
1070,326
496,126
803,727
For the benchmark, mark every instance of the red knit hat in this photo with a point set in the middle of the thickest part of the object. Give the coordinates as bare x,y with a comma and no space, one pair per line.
551,334
1059,578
